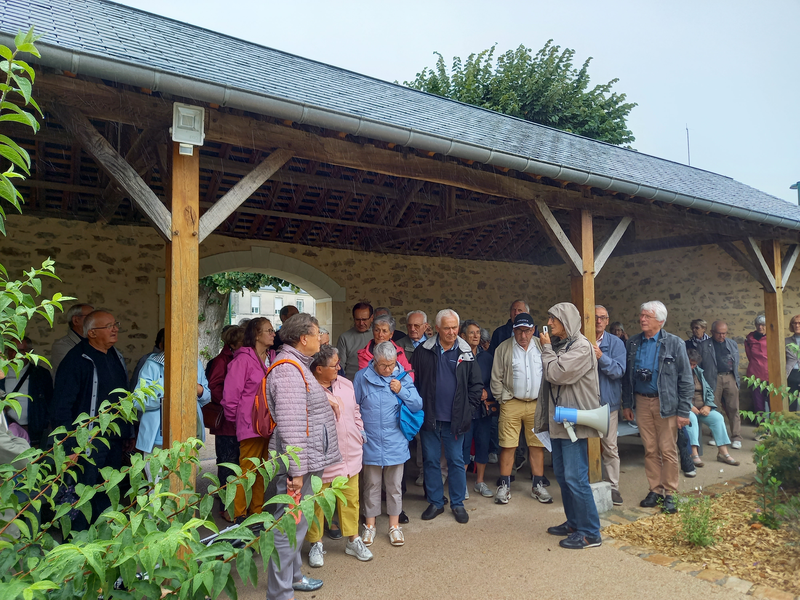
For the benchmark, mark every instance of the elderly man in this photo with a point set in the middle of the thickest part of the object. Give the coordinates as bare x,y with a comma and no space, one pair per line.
355,338
516,385
449,382
721,369
658,383
610,353
570,372
75,316
87,376
417,325
504,332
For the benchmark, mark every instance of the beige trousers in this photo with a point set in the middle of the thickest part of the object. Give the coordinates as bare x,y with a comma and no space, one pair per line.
660,437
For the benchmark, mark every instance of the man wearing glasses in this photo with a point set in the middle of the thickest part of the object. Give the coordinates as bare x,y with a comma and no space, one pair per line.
355,338
86,377
610,353
721,365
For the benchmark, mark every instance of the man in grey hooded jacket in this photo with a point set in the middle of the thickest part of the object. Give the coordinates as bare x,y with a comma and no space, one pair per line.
570,372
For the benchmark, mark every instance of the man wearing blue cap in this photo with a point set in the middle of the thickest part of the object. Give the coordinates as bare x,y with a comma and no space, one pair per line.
516,385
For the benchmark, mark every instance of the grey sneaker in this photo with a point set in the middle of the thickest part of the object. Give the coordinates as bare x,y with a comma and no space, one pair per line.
483,490
492,458
541,494
616,497
358,549
368,537
315,555
503,494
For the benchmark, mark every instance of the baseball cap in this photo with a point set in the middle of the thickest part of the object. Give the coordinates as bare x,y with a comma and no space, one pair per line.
524,320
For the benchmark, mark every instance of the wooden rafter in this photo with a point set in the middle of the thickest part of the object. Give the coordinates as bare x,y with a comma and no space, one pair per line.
787,265
560,240
752,261
607,246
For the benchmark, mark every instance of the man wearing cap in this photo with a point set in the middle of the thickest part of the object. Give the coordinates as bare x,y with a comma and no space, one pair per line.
516,385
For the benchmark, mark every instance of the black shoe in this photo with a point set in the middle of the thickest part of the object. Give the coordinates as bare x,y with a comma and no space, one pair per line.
500,480
576,541
460,513
446,501
431,512
669,505
545,481
651,500
403,518
560,530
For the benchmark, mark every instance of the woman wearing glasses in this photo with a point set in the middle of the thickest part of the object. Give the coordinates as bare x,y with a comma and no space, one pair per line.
245,373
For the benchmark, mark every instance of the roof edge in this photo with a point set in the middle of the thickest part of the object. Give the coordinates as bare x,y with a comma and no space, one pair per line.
113,69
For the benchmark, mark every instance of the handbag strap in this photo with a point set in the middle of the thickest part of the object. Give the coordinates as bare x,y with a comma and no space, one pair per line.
399,400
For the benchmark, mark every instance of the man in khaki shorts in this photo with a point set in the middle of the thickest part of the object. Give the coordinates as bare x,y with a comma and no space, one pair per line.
516,384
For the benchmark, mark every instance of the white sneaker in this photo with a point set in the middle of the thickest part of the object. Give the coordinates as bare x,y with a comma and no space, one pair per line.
315,555
368,536
358,549
737,445
483,489
712,443
420,480
396,537
541,494
492,458
503,494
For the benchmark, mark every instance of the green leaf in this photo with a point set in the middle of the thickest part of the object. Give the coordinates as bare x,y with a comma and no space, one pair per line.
244,560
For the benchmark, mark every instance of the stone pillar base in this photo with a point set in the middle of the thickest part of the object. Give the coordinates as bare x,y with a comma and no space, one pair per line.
602,496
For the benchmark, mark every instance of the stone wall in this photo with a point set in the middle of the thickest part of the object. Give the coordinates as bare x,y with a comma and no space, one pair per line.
119,268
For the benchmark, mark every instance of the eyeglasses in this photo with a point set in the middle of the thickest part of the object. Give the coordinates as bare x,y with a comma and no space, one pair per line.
601,318
336,366
268,331
115,325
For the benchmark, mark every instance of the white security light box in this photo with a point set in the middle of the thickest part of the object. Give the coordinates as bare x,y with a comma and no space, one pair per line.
187,126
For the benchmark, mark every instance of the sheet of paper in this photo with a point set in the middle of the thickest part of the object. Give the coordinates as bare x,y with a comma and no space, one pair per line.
544,437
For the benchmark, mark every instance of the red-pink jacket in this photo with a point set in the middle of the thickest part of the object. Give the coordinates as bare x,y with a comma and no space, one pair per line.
365,355
349,431
215,373
756,351
244,376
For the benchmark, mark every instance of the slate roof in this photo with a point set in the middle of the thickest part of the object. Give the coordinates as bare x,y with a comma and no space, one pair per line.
106,29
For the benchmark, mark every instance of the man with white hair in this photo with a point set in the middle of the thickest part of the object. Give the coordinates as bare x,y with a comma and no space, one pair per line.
449,381
75,316
416,325
658,383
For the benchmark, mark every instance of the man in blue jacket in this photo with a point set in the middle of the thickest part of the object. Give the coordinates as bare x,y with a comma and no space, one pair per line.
610,352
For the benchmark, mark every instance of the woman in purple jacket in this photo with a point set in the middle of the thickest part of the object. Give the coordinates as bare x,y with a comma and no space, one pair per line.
245,373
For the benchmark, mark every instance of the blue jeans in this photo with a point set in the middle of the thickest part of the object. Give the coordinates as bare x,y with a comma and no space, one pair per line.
432,442
480,431
571,466
715,422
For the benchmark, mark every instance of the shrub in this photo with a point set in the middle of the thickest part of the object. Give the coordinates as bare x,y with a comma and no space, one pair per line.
697,525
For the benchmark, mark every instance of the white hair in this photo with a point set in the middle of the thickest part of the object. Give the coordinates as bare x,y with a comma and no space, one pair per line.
525,304
76,310
417,312
657,308
384,351
388,319
323,331
446,312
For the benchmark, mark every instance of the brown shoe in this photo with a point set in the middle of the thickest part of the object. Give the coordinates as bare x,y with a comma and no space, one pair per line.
698,462
727,459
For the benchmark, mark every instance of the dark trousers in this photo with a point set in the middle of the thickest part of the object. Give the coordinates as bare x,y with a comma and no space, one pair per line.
227,447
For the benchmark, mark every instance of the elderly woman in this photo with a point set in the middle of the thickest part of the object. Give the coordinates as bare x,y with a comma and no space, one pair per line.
382,331
379,387
245,372
705,411
482,417
303,418
699,328
755,346
226,445
350,432
618,329
792,360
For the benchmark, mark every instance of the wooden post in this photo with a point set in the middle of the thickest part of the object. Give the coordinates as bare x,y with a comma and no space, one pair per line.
773,305
180,368
582,287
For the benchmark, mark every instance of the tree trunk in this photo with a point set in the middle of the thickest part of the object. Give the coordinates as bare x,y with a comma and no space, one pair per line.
212,317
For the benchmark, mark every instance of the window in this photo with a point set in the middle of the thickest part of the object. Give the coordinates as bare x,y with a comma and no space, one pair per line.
299,305
255,304
278,305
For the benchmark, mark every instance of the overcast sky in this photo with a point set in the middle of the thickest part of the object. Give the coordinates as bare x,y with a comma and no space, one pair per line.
729,70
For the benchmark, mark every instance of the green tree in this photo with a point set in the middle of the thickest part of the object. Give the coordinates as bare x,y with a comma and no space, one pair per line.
544,88
214,299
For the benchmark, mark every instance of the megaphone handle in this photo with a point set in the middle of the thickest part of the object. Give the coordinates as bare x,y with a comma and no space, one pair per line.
570,431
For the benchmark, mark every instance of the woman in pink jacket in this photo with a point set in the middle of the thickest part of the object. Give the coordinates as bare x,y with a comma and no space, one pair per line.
350,432
755,346
245,373
382,331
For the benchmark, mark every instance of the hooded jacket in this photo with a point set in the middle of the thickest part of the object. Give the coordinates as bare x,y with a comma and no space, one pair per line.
386,445
570,373
469,384
242,380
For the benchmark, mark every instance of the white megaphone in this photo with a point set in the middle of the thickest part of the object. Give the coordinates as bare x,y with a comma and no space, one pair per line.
597,418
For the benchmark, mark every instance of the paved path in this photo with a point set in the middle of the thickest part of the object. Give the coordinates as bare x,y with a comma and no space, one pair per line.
505,552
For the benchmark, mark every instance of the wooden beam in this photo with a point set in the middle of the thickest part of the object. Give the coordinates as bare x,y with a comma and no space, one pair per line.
788,263
561,243
765,279
582,291
607,247
438,228
300,217
753,250
115,166
239,193
182,253
773,305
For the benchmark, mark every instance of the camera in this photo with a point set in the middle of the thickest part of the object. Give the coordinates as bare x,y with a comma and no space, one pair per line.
644,375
